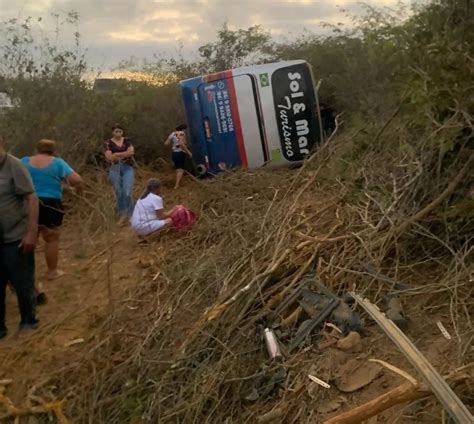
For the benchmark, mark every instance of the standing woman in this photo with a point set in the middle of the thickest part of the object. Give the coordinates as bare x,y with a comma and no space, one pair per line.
119,153
48,173
179,147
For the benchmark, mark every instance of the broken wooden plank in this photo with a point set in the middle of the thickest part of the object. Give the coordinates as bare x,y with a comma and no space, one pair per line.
433,379
407,392
401,394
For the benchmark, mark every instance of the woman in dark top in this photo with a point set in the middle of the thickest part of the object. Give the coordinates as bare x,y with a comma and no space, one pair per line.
119,153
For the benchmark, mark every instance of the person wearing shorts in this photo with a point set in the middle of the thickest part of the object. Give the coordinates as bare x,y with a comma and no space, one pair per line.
48,173
179,147
149,215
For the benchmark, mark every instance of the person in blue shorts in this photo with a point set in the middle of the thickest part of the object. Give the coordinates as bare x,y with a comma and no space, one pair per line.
48,173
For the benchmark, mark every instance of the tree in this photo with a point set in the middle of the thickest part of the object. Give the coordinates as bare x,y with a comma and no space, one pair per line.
235,48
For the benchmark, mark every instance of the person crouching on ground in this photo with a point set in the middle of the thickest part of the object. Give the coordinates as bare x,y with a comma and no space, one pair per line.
119,152
179,148
18,235
149,214
48,173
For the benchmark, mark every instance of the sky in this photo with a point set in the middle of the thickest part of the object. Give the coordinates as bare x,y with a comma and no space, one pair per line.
115,30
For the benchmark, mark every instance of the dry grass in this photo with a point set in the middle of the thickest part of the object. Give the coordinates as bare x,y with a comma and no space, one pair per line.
191,350
184,346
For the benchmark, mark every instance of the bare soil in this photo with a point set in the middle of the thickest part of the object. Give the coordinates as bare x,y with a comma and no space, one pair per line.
102,271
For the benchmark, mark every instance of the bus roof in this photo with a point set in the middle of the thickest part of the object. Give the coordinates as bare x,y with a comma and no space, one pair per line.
265,67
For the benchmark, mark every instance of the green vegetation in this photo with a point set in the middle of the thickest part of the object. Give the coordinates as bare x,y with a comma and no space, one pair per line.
403,82
393,187
421,64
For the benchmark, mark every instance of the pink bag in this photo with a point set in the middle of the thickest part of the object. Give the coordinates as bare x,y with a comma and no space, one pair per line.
183,218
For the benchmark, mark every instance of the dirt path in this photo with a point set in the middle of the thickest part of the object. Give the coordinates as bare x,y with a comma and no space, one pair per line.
100,269
77,302
102,273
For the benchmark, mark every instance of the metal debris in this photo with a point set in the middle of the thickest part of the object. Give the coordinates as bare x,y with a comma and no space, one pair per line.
319,381
395,311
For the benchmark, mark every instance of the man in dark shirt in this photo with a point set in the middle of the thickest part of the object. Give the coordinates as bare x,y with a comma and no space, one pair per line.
18,234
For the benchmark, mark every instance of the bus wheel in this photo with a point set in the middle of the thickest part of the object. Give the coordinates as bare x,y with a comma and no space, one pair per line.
201,169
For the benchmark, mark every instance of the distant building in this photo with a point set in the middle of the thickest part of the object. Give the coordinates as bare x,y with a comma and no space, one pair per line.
128,80
106,85
5,101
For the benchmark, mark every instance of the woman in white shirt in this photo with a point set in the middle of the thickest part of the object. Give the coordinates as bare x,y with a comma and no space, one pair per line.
149,214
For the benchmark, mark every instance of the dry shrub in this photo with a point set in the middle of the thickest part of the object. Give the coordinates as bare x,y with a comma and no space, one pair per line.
190,354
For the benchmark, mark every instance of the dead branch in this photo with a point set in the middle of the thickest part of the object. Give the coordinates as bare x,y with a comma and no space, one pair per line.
55,407
407,392
401,394
436,202
217,310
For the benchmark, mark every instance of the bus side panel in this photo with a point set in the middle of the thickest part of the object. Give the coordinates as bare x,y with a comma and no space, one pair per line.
272,137
290,117
217,102
195,124
254,115
249,118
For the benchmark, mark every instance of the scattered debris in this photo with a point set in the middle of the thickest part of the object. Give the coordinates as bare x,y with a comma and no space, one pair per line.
396,370
345,318
334,327
395,311
352,342
311,301
225,363
404,393
318,303
443,330
319,381
14,412
267,385
332,405
437,384
74,342
271,342
356,374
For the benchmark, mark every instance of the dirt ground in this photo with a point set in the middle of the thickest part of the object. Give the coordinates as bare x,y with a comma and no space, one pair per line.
99,270
101,273
75,302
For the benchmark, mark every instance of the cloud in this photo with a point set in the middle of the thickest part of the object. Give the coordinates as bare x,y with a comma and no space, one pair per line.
115,29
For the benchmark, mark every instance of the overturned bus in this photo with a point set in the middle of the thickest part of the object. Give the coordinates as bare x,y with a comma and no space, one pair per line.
252,116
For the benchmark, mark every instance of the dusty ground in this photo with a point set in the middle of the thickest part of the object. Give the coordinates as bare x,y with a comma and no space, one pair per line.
76,302
103,270
100,269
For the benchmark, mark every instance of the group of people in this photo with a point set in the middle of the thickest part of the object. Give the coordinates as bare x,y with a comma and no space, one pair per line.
31,192
147,215
30,205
